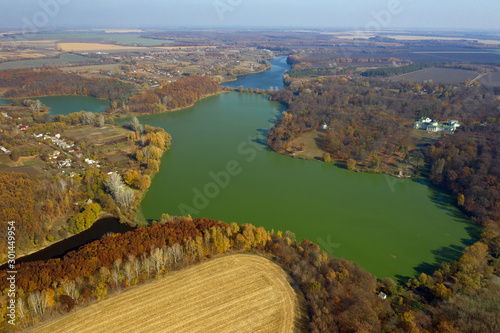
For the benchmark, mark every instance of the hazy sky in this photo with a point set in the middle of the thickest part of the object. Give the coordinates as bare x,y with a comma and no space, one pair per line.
378,14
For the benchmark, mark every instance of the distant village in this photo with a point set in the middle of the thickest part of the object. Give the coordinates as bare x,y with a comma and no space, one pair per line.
433,126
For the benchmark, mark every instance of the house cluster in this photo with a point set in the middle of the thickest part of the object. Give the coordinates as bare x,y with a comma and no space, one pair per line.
4,150
92,162
57,140
433,126
65,164
54,155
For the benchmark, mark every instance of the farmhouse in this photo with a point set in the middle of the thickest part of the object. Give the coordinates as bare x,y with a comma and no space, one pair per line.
5,150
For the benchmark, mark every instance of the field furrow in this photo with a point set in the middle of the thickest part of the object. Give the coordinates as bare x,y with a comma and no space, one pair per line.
238,293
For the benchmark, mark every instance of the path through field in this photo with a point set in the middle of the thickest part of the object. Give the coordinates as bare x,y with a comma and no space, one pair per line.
237,293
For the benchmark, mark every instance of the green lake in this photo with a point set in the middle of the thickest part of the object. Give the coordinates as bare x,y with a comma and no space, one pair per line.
66,104
219,167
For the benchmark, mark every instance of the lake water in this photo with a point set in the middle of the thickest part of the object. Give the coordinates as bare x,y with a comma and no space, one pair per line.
66,104
57,250
270,78
219,167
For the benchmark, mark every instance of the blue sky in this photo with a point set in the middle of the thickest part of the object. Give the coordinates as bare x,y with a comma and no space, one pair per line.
358,14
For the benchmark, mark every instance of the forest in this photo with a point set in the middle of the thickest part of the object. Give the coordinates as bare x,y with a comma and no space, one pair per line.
47,82
468,165
179,94
459,297
370,122
339,295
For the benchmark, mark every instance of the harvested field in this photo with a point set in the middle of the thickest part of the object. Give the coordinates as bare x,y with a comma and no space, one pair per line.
95,47
238,293
91,68
185,47
439,75
98,135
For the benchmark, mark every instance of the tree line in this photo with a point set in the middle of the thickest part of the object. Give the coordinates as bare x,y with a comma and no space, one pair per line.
47,82
339,296
179,94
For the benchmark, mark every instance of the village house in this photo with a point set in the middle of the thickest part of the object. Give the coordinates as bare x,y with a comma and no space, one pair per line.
433,126
5,150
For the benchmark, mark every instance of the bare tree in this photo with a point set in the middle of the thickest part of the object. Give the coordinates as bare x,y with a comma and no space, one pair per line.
147,264
69,287
136,126
157,257
114,183
100,121
21,307
124,196
137,268
36,304
87,118
115,276
127,270
177,252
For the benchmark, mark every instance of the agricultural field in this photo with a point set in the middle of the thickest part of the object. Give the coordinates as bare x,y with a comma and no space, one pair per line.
439,75
79,47
491,80
65,58
237,293
91,68
97,135
89,36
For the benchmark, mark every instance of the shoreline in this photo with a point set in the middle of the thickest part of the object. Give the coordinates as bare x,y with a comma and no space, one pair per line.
258,72
102,216
131,114
42,96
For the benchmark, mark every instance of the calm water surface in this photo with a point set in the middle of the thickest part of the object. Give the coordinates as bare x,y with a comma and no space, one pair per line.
219,167
66,104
